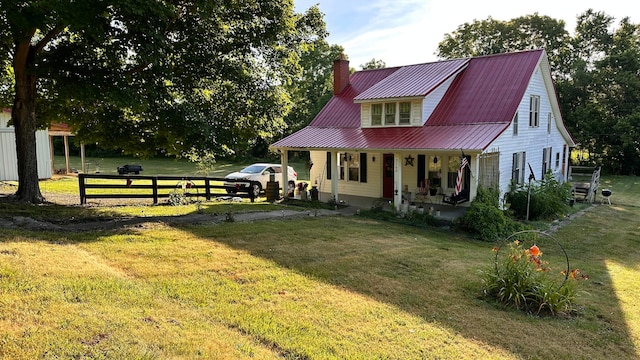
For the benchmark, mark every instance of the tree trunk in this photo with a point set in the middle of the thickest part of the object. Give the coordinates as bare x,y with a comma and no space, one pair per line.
24,121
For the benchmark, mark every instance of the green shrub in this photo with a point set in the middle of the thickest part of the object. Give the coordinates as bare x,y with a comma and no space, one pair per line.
547,199
485,220
412,218
521,279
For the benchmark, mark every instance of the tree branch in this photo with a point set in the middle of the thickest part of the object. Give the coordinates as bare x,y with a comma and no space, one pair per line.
48,37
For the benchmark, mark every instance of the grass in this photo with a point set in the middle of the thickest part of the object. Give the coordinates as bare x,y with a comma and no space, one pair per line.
301,289
165,166
310,288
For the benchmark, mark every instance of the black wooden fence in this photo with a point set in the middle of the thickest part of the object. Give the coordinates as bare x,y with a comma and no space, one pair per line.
151,187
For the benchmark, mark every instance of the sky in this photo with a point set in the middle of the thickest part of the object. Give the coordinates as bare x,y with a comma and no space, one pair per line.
405,32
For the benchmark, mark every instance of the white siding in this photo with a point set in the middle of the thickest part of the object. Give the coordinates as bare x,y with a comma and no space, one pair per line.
531,140
365,115
416,113
432,100
8,157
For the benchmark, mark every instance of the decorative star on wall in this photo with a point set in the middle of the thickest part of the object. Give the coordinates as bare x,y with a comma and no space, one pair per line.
408,161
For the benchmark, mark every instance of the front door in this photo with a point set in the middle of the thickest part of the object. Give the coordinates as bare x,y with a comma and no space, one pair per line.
387,176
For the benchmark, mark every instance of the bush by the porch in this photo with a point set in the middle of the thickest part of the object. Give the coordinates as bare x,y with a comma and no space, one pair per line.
486,220
548,198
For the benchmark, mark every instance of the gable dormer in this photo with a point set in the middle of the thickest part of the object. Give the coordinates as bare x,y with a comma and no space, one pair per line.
408,96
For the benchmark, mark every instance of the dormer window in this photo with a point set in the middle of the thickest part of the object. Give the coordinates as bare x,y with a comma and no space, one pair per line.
391,113
376,114
405,113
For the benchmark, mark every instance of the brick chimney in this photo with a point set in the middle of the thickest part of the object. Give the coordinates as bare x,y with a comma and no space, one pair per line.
340,74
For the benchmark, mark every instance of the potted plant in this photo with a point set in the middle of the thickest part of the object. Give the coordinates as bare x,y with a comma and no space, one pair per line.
302,190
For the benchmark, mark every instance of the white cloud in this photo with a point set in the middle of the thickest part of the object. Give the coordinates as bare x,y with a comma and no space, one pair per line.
405,32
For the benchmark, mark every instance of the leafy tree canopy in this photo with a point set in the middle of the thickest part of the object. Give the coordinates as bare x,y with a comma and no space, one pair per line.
149,75
373,64
596,72
145,75
490,36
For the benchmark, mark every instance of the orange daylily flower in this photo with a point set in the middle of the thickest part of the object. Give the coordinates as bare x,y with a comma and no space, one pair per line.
535,250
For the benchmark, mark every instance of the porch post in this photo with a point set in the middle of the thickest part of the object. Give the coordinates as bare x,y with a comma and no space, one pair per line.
284,162
475,176
335,175
397,181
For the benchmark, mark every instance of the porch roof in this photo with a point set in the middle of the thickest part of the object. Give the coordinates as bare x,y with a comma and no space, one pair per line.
465,137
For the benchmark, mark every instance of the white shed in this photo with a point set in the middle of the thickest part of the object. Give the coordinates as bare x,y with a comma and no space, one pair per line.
8,157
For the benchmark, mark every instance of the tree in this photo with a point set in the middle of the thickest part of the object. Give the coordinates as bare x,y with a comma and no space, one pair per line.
490,36
595,70
313,87
599,94
373,64
147,76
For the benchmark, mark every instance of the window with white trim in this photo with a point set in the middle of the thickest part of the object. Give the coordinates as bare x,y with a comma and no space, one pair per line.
391,113
517,167
404,115
376,114
549,120
349,166
534,111
515,124
546,160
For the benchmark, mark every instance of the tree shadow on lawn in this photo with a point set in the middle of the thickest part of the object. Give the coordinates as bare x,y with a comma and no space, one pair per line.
434,275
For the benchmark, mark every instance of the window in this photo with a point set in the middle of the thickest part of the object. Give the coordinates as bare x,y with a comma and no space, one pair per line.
515,124
435,171
517,168
534,111
376,114
557,160
549,119
354,168
546,160
389,113
405,113
350,167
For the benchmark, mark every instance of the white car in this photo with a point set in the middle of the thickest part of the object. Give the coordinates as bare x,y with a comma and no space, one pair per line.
254,178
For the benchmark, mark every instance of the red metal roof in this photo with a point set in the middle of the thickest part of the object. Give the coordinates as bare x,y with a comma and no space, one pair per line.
341,110
478,106
453,137
489,90
413,80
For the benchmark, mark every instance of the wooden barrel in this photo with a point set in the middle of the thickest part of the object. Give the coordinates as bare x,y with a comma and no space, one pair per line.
272,191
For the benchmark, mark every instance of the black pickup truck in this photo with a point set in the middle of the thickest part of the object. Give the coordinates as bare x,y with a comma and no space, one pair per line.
125,169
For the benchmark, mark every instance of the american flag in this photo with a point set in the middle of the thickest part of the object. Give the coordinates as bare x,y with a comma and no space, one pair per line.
463,163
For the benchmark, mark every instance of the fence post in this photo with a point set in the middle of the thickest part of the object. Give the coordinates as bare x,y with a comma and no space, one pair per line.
207,189
83,191
154,183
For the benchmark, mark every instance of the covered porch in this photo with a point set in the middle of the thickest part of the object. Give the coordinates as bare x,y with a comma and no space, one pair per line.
404,180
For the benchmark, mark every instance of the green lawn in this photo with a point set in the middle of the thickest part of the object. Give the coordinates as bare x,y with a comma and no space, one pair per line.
163,166
309,288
